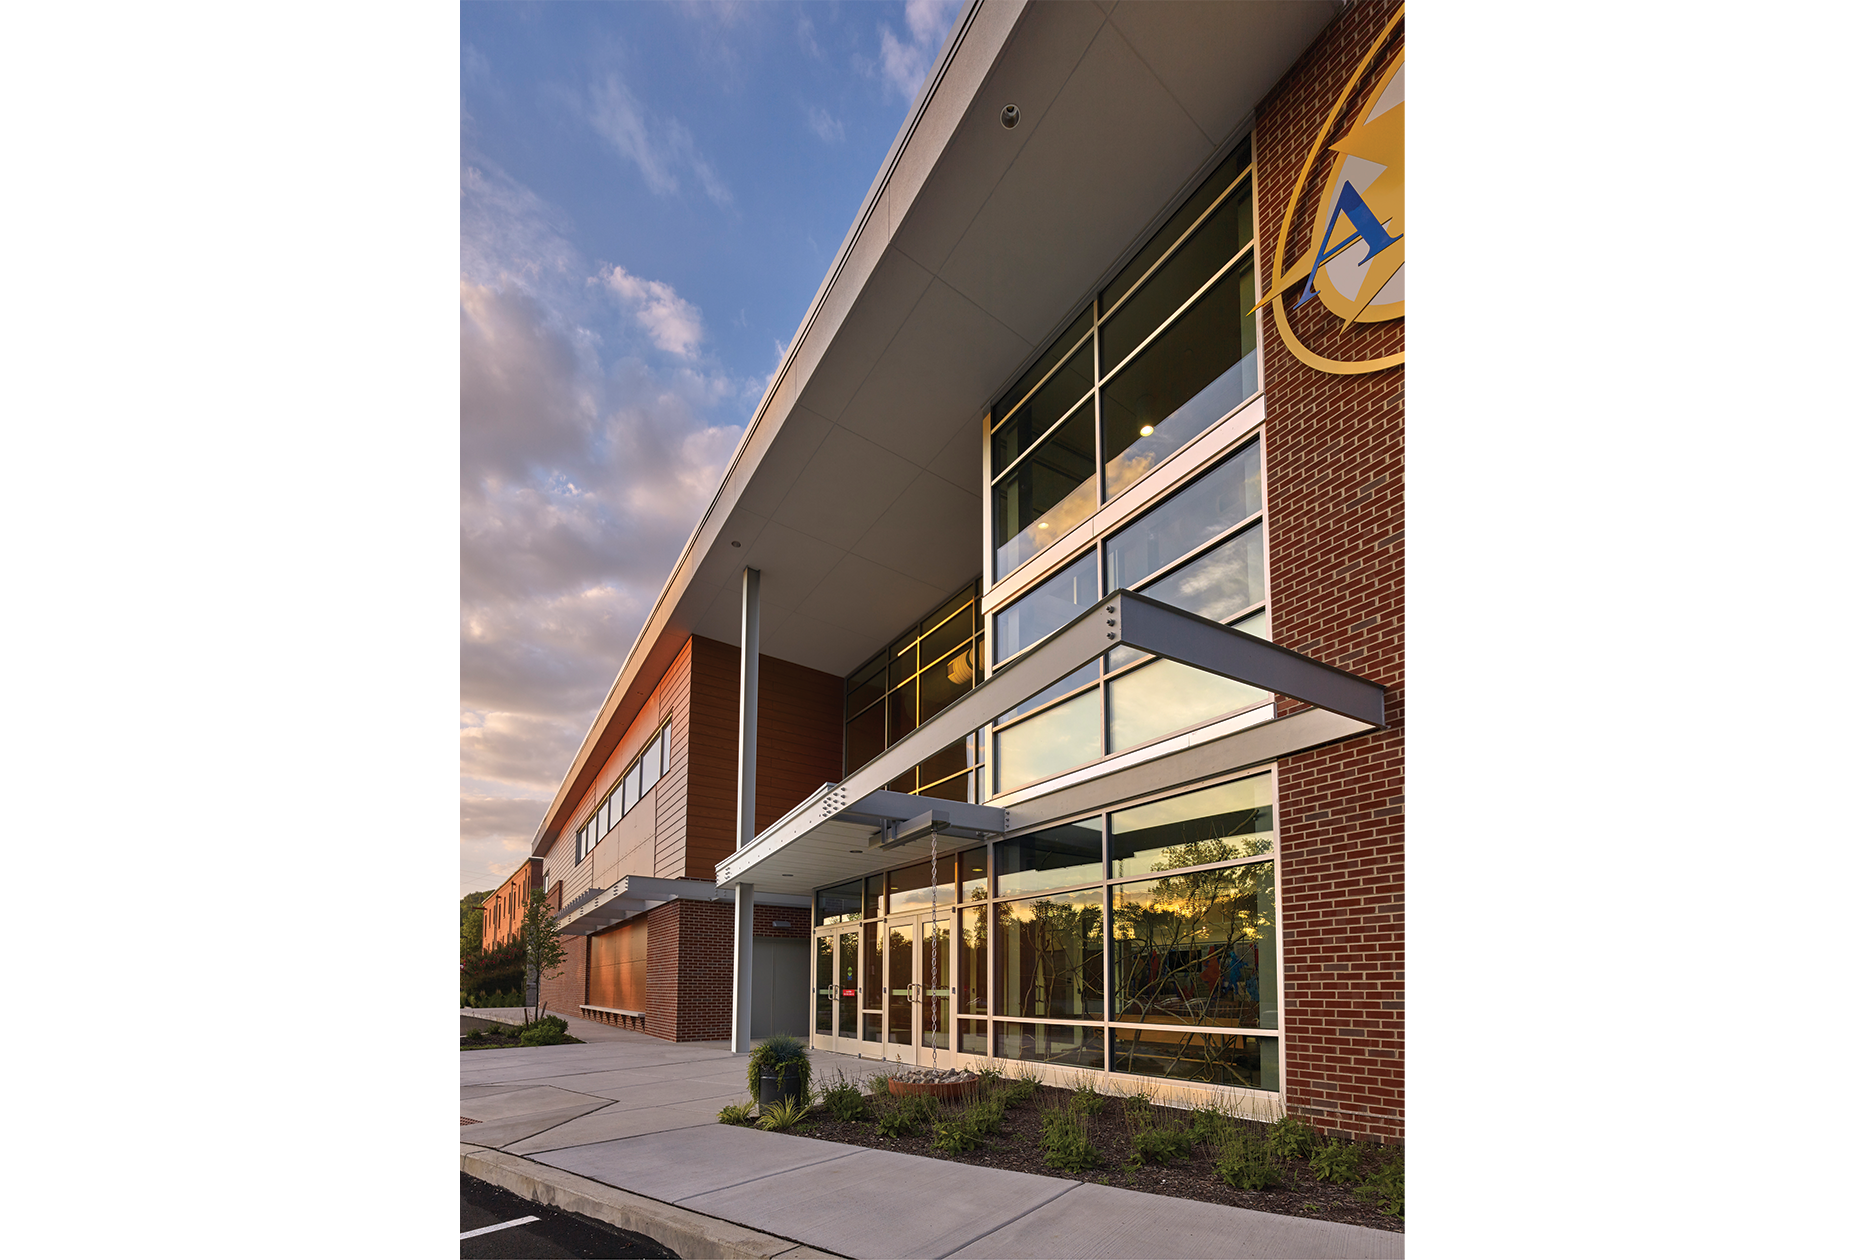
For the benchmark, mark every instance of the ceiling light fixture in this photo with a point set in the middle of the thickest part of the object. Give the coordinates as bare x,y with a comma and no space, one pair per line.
1011,116
1145,430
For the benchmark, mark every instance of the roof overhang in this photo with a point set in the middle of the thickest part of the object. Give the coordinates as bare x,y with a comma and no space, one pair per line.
834,836
630,895
857,488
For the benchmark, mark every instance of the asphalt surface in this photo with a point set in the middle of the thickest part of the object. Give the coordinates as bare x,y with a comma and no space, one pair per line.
554,1233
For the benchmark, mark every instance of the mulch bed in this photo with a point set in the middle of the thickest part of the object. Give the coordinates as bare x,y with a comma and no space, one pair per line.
504,1041
1017,1146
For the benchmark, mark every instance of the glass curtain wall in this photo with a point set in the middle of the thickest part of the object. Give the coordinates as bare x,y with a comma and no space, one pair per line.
1201,550
1141,940
1159,355
927,668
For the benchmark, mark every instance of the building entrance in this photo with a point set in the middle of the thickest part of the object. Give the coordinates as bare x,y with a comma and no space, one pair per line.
919,972
884,989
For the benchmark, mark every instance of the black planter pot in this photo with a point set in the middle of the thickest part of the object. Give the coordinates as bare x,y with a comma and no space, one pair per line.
783,1083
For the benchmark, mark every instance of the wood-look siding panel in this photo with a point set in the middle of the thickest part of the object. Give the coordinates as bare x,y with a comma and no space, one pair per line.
798,747
618,968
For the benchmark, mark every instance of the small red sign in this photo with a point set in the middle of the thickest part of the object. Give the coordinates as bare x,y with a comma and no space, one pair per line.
847,992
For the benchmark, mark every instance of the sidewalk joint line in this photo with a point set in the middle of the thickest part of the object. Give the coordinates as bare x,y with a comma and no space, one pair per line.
1006,1224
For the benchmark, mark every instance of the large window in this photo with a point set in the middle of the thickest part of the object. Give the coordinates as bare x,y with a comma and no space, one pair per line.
922,672
1142,940
1201,550
1162,353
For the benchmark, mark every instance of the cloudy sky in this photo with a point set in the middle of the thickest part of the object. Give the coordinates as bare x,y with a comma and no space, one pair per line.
649,196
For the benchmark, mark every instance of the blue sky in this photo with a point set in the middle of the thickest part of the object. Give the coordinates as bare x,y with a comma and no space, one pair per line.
650,195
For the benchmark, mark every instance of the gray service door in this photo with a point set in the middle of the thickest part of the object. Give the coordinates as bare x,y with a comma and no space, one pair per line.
779,987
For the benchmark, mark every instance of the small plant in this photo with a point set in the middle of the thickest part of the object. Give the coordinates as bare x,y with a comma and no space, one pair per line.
736,1113
955,1137
1065,1145
1247,1165
877,1084
477,1034
845,1101
1020,1091
1138,1107
784,1057
908,1116
1386,1187
1210,1125
1086,1100
986,1114
786,1114
1337,1162
1155,1144
989,1078
1292,1138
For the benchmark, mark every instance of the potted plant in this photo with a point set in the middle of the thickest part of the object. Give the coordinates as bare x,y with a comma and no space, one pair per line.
779,1070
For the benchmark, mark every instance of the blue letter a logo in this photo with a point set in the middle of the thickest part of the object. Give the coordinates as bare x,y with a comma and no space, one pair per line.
1354,207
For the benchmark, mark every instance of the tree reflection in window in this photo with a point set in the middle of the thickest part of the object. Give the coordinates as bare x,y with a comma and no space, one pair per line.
1197,948
1049,956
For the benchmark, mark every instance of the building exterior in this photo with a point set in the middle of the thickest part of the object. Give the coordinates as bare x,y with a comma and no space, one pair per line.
1060,579
503,911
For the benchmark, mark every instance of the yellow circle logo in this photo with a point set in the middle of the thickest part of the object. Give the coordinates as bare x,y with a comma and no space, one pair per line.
1354,264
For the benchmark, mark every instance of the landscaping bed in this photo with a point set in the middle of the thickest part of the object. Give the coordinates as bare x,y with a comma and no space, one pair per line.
1118,1140
548,1031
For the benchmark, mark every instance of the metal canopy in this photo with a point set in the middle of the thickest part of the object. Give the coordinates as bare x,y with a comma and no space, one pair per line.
831,836
601,908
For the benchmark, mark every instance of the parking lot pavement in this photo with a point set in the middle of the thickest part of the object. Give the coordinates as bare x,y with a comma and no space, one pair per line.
550,1233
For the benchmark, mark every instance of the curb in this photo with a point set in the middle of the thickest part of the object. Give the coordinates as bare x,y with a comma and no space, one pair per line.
692,1235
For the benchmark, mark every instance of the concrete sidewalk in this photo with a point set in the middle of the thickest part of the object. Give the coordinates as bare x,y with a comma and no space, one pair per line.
629,1123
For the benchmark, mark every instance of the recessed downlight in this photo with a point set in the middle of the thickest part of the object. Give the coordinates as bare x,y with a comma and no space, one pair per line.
1011,116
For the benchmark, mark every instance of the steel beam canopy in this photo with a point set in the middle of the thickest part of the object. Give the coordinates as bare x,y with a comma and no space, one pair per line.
1122,619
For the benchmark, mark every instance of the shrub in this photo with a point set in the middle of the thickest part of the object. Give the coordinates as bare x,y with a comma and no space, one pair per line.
537,1035
1247,1165
477,1034
1336,1162
1020,1092
877,1084
1065,1145
1386,1187
736,1113
1291,1138
1159,1145
1086,1101
782,1115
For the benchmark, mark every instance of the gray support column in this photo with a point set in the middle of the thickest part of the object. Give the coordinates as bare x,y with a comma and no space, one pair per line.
741,971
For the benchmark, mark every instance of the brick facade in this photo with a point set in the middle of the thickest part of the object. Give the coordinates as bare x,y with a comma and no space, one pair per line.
568,989
1334,449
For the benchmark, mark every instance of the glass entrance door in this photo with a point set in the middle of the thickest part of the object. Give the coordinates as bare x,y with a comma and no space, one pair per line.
837,992
919,988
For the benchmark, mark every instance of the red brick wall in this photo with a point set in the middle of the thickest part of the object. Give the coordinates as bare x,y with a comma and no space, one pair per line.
568,990
1335,478
764,921
689,970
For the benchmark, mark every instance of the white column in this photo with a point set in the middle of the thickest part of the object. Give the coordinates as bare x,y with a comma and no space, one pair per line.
741,971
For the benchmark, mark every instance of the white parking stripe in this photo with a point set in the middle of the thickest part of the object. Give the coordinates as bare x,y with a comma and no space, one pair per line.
491,1229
